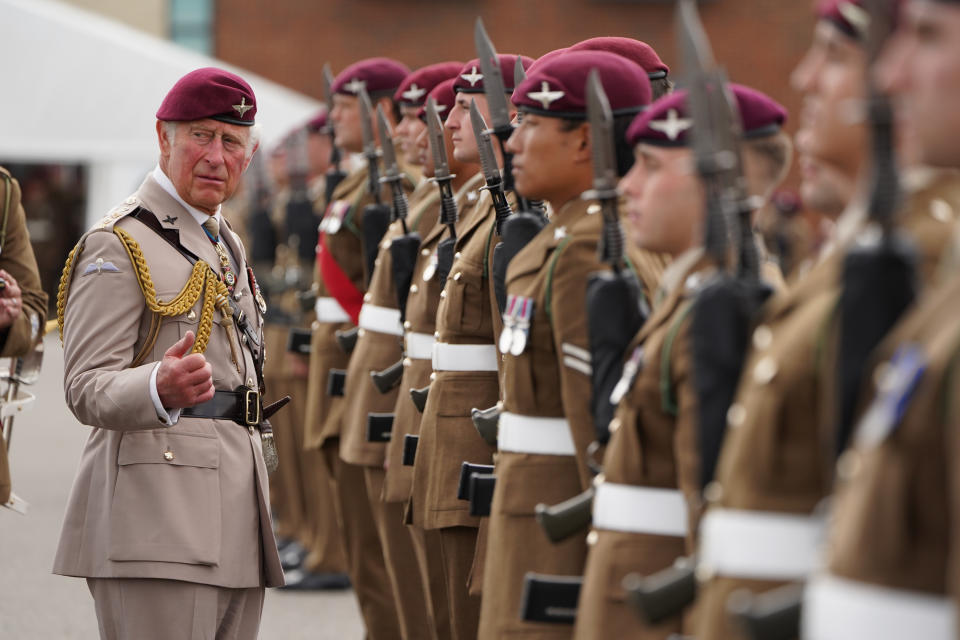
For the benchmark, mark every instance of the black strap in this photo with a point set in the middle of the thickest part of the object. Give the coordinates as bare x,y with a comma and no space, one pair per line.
242,406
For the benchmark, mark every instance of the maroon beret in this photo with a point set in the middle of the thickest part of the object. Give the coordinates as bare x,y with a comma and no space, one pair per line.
415,87
318,123
470,78
210,93
667,122
639,52
445,96
379,76
849,16
549,55
558,87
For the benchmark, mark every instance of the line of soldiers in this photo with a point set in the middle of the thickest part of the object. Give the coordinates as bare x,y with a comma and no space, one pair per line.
549,381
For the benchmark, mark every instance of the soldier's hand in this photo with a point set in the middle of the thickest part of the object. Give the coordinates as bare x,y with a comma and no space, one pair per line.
11,302
184,380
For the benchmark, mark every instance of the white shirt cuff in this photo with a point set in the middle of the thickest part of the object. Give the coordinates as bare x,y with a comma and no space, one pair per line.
168,418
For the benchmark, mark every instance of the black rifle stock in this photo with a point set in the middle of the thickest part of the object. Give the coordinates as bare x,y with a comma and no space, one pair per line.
388,379
551,599
772,615
486,422
567,518
664,594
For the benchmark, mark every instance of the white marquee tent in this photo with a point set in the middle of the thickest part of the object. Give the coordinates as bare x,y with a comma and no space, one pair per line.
79,88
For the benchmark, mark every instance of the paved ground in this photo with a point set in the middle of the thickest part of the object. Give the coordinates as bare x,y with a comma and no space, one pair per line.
36,605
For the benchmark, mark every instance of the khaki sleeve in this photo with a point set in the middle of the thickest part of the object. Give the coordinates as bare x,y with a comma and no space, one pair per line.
100,332
569,319
18,260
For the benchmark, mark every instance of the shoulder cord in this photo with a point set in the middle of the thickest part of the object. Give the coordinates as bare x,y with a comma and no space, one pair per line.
8,182
202,280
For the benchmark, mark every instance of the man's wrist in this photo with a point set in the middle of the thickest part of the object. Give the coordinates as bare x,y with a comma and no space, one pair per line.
166,416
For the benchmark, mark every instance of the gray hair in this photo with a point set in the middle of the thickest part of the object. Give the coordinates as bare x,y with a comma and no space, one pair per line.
170,127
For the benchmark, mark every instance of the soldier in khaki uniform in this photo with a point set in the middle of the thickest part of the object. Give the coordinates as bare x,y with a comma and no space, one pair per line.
168,518
891,559
760,529
464,363
379,346
647,505
23,304
342,280
546,426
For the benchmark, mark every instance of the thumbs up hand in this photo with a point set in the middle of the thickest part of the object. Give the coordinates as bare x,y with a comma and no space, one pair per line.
184,380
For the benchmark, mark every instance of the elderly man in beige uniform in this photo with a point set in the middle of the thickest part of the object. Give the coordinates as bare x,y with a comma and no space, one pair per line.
161,324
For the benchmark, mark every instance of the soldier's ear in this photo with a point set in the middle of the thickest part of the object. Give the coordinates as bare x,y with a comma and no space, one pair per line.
583,143
162,139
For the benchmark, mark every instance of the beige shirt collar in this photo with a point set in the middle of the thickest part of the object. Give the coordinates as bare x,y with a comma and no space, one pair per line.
167,185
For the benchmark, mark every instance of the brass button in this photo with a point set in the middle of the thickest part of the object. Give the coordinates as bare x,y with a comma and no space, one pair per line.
414,288
592,538
192,315
736,414
704,573
594,209
436,334
367,297
407,362
849,465
315,325
443,294
376,262
250,382
941,210
713,492
614,425
168,455
457,255
457,275
407,325
599,479
762,337
433,376
765,370
360,333
425,252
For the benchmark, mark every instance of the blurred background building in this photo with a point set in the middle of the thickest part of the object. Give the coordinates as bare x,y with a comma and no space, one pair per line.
84,77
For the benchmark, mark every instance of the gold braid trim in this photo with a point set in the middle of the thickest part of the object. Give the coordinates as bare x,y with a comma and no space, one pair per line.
203,280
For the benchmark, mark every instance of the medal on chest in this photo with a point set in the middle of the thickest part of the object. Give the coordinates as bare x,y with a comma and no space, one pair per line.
257,294
895,389
516,324
431,269
334,216
632,367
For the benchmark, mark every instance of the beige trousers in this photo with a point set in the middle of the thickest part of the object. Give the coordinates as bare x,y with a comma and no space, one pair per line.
153,609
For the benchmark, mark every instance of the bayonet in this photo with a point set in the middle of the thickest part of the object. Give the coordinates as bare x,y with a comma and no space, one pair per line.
493,85
392,175
369,144
605,177
519,73
334,175
488,164
443,178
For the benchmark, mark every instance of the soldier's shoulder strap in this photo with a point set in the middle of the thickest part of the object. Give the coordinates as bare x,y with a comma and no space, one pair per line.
551,270
668,395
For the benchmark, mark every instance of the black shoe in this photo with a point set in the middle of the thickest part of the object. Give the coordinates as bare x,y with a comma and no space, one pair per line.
292,556
298,580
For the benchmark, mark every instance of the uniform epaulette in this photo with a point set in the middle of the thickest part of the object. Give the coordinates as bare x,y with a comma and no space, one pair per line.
126,207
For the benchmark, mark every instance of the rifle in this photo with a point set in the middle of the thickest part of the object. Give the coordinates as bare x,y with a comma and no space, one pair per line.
771,615
376,216
614,313
301,220
443,178
517,230
487,422
551,599
263,249
879,278
23,371
334,174
488,164
664,594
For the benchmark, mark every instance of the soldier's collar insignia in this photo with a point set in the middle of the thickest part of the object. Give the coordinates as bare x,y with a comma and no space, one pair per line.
545,96
414,93
100,266
170,219
355,85
673,126
243,107
473,77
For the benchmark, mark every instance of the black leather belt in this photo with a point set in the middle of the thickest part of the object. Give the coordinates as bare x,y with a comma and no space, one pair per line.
242,406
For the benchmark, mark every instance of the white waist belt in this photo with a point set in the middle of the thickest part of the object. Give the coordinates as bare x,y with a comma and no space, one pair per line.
760,545
526,434
464,357
622,507
329,311
419,346
840,609
380,320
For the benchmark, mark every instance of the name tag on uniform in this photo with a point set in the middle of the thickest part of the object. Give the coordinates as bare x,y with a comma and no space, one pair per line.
630,370
893,397
334,216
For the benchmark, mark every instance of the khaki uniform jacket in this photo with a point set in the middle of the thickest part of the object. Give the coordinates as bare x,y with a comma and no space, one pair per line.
550,379
375,351
447,435
323,414
653,444
421,317
18,260
186,502
778,453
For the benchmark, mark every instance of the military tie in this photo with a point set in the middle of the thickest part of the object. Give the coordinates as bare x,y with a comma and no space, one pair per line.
212,225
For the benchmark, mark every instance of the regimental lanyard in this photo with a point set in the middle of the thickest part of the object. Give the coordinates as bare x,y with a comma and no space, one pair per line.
516,324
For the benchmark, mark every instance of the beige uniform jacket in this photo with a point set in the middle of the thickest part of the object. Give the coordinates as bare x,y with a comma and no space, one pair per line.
778,452
653,445
18,260
344,241
186,502
377,349
549,379
447,435
421,321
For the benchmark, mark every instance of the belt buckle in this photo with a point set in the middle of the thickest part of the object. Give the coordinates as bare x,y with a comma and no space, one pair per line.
251,408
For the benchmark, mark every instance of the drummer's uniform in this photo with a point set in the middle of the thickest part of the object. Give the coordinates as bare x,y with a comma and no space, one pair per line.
892,544
760,529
